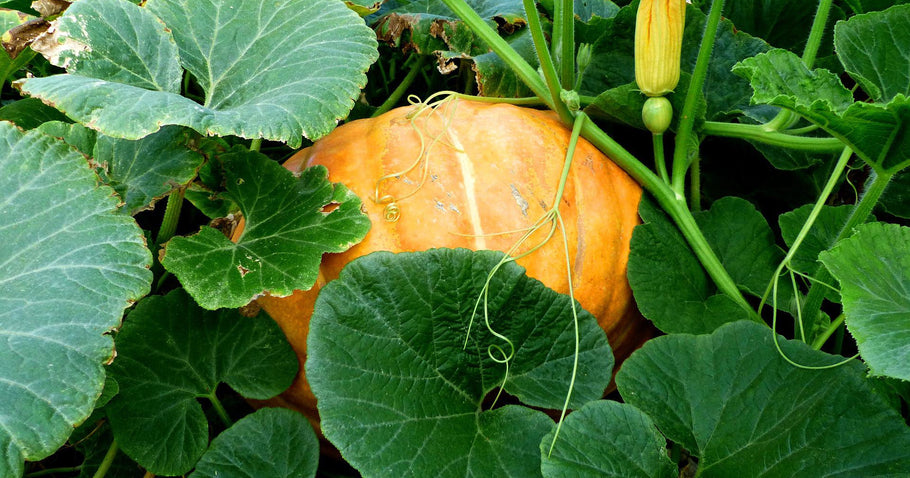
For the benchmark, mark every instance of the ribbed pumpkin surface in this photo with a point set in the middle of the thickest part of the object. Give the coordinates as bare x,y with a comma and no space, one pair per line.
495,168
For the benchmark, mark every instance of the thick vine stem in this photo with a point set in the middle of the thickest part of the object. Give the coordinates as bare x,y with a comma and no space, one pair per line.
171,216
551,76
564,41
519,66
687,118
761,134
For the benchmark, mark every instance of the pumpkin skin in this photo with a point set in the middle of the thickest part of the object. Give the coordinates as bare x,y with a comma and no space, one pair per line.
496,169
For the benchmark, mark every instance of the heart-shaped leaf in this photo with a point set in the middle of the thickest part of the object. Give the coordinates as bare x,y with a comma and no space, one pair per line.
289,69
873,268
69,266
170,353
401,385
290,223
606,439
733,401
272,442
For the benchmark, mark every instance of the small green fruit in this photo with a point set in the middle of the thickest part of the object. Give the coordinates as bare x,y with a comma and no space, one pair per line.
657,114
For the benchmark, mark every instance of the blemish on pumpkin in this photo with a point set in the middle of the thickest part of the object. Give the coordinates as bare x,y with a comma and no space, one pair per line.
243,270
520,200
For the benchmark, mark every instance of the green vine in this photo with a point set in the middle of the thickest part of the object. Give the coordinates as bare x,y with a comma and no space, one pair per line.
687,118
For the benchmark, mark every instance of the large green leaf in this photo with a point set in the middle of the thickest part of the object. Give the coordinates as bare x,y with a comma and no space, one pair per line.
606,439
401,392
873,268
277,71
290,223
272,442
69,266
170,353
876,132
670,286
875,50
730,399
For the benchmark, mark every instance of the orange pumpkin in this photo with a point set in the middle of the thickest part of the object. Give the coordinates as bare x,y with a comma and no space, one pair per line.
490,169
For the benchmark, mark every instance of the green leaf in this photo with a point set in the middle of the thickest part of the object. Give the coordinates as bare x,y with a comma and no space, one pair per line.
607,439
290,69
29,113
401,395
896,198
73,134
873,268
69,267
170,353
670,286
145,170
585,10
290,223
731,399
272,442
876,132
743,241
821,236
875,51
866,6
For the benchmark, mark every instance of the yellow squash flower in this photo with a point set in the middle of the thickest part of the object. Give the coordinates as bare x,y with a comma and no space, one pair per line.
658,45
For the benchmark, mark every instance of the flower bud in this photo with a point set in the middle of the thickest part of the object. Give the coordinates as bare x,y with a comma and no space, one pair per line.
658,45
